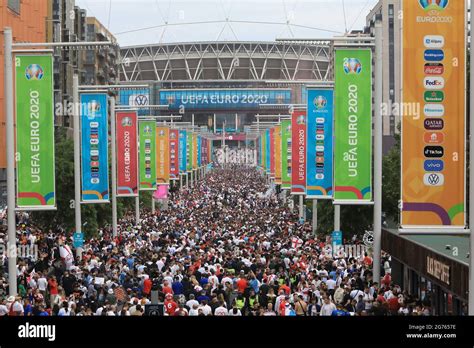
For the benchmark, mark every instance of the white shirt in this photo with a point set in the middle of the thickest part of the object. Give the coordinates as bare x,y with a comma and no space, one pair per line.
207,310
42,284
221,311
63,313
193,312
226,280
191,303
214,281
3,310
355,294
238,314
331,283
327,309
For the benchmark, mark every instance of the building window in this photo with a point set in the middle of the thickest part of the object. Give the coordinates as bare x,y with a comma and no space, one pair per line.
391,43
14,5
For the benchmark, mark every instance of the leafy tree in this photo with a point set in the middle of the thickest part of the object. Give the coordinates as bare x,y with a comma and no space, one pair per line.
391,182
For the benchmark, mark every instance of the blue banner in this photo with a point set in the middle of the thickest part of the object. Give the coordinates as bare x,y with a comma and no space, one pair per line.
267,151
223,99
182,151
94,147
320,143
199,149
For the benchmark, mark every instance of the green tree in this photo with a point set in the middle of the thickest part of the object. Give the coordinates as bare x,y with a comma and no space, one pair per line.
391,182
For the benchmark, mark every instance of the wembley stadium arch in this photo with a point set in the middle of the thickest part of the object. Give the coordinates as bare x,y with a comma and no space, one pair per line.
223,83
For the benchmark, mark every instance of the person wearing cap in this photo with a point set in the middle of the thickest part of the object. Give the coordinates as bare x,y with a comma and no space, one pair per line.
170,304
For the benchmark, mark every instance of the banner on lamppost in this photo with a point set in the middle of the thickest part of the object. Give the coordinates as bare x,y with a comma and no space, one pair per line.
174,154
127,153
195,151
298,139
268,153
320,143
94,148
199,151
183,151
433,165
35,166
189,151
210,149
204,148
272,152
162,156
353,127
286,154
147,133
278,162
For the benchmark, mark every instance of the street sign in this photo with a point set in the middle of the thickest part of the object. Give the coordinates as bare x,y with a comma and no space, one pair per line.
337,238
78,240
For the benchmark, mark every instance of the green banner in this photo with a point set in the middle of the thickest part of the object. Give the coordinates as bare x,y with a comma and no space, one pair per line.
35,132
286,154
147,135
189,151
353,126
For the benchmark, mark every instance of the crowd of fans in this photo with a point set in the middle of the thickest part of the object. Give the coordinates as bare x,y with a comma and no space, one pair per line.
222,248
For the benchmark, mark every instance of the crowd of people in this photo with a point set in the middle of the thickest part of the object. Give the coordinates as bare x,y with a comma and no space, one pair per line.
221,248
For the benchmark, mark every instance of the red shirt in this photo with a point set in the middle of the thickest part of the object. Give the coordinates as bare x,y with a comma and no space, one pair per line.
167,290
282,307
285,288
147,286
393,304
53,287
170,306
368,260
241,285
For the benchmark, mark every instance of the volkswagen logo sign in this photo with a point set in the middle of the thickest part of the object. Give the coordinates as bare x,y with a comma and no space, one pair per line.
141,100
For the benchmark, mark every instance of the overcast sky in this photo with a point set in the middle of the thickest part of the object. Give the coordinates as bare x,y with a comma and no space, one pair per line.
188,20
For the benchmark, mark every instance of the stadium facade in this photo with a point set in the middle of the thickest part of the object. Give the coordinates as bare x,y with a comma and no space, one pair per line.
217,83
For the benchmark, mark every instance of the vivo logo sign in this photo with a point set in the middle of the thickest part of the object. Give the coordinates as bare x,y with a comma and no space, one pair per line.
434,110
434,41
434,165
433,82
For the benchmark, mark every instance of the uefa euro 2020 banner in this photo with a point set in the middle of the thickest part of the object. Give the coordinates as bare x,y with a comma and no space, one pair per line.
268,153
320,143
35,132
162,156
127,153
199,151
183,151
298,150
286,154
147,134
195,152
278,155
94,148
189,151
272,152
174,154
353,127
434,143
